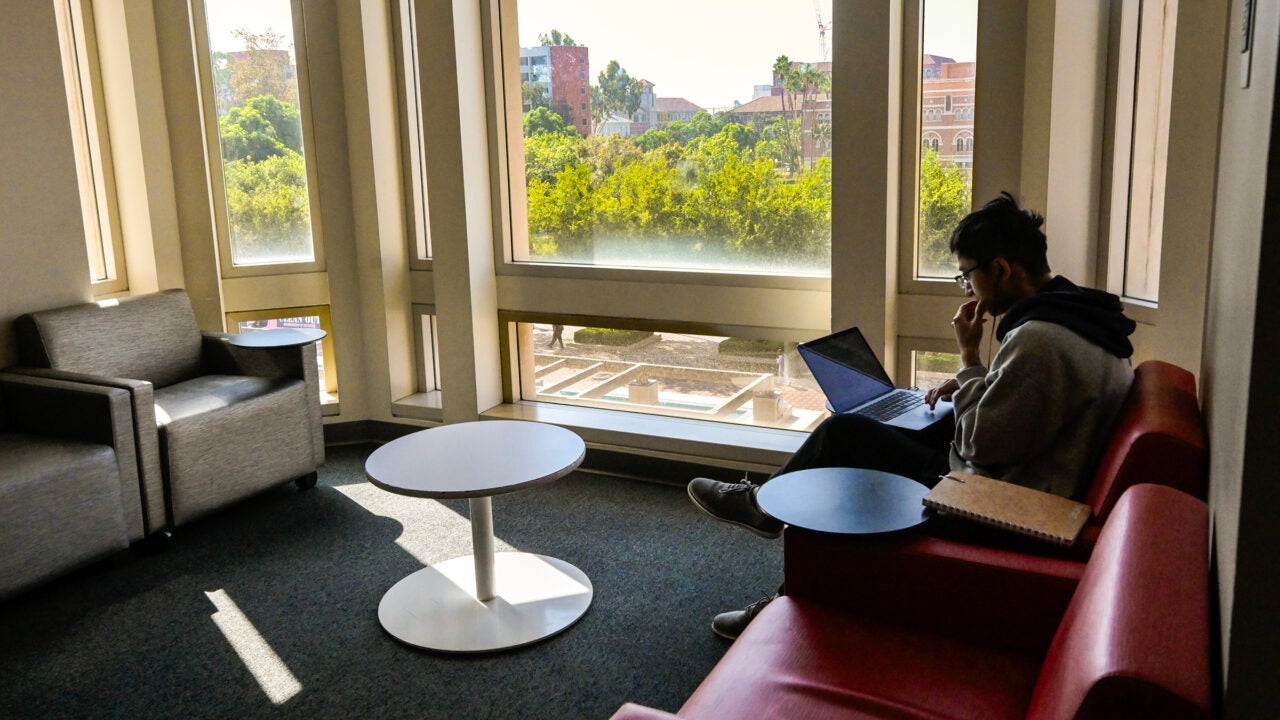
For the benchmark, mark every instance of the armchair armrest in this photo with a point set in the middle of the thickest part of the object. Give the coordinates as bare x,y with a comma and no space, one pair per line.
297,361
79,411
146,439
632,711
223,358
984,595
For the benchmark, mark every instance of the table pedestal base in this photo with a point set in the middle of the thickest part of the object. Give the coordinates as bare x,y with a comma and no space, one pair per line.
436,608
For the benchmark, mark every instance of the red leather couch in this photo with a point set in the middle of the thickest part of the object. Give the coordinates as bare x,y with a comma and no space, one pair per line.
1133,642
1158,438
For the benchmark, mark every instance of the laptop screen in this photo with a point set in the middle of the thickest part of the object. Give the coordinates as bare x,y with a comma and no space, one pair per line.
846,369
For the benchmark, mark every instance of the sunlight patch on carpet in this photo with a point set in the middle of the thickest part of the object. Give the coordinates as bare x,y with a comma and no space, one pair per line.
266,666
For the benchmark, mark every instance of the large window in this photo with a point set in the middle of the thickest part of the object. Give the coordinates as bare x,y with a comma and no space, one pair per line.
947,92
93,153
709,150
260,116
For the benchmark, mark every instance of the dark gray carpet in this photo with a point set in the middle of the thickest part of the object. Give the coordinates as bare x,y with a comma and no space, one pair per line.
137,640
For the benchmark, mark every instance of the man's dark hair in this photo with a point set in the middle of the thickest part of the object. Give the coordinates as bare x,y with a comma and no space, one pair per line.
1002,229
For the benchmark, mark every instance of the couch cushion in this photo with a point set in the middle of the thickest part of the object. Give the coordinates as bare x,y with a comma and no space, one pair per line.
61,507
801,660
145,337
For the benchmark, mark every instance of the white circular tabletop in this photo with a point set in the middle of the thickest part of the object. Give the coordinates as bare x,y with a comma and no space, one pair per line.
277,337
475,459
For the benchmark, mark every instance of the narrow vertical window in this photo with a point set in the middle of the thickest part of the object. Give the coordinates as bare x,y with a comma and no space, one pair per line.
947,91
259,115
92,148
1142,129
414,147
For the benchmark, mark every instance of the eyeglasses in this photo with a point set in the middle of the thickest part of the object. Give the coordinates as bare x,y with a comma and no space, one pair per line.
963,278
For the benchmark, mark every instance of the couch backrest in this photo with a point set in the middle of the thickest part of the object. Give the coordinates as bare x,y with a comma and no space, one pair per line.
1158,438
1134,641
146,337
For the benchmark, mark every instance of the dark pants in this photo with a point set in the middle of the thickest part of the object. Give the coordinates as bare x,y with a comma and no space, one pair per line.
860,442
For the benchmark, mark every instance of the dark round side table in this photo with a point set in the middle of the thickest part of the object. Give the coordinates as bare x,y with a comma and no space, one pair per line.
844,501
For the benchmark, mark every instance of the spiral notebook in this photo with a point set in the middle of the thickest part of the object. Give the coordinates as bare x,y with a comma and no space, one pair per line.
1011,507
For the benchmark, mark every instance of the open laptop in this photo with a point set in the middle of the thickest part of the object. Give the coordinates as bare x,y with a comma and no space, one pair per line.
854,381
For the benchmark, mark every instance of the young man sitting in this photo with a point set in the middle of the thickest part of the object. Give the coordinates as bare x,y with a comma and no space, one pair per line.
1037,416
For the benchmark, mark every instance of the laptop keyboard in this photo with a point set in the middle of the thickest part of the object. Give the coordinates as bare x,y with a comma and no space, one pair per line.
892,405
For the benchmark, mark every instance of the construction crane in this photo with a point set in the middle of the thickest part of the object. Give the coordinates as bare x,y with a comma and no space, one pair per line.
822,30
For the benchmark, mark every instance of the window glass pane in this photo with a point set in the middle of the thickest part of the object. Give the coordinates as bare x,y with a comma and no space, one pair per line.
706,150
736,380
930,369
947,74
260,130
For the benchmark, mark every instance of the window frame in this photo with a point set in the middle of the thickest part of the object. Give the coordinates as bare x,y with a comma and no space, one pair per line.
213,150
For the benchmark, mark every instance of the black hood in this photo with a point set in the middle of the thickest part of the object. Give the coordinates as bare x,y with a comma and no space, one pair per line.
1095,315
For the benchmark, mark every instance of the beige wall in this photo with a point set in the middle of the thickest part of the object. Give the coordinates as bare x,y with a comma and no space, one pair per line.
1239,375
43,262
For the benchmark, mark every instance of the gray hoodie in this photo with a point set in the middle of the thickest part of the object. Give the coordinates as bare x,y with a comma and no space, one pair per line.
1040,415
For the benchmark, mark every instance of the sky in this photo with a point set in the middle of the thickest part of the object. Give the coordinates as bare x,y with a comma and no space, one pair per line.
712,52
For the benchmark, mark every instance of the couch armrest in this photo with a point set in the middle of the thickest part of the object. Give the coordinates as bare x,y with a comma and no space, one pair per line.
984,595
631,711
80,411
146,438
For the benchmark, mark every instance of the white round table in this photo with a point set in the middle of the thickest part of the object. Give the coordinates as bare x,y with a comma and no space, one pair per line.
485,601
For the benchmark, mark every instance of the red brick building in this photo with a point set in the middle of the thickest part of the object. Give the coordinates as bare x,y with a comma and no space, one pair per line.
564,72
946,109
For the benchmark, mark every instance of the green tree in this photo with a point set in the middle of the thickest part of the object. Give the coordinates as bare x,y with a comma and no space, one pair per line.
268,207
541,120
547,154
555,38
945,198
534,95
615,92
264,127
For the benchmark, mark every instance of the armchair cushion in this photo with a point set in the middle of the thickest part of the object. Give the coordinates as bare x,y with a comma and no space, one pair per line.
210,392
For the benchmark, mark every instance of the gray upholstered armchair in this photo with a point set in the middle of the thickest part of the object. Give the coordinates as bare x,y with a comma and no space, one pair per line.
215,423
68,478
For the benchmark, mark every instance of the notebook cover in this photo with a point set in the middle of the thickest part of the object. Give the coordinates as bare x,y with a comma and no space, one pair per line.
1012,507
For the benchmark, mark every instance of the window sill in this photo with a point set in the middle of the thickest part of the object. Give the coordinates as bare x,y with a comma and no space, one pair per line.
420,406
738,447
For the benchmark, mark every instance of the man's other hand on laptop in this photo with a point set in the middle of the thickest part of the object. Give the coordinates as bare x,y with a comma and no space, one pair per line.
941,392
